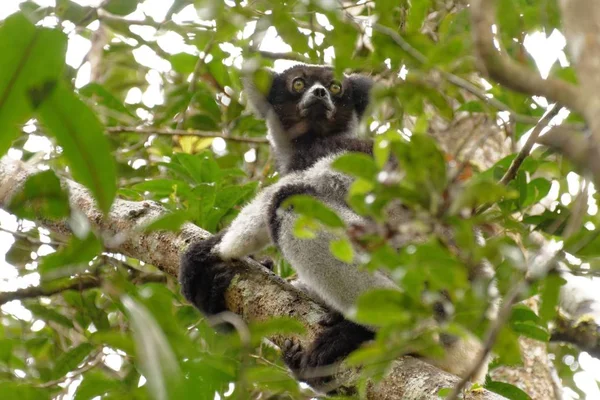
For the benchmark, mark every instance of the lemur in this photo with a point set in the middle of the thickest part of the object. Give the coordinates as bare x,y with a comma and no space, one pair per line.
312,118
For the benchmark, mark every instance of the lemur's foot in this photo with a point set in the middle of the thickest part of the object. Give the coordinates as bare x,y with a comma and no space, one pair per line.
316,365
204,277
266,262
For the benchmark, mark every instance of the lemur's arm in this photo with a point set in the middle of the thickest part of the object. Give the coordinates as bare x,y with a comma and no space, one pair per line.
203,275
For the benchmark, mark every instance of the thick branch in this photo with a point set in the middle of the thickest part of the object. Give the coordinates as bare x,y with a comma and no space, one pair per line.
581,19
255,293
583,333
184,132
500,67
576,147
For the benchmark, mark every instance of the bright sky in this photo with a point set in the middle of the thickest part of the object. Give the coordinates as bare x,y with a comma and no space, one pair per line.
545,50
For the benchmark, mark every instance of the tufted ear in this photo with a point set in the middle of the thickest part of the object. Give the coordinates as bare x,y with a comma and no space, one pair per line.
361,91
257,84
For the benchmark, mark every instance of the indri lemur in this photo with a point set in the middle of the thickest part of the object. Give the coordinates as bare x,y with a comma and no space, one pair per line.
312,118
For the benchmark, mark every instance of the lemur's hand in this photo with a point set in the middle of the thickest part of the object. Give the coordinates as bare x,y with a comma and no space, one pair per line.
204,276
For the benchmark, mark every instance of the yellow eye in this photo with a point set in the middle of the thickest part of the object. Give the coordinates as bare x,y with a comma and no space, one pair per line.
298,85
335,88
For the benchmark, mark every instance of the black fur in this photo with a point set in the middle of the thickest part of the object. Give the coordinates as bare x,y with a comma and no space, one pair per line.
361,90
278,198
339,338
309,149
204,277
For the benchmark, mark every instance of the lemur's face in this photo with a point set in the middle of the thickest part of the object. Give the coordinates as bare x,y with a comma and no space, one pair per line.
309,98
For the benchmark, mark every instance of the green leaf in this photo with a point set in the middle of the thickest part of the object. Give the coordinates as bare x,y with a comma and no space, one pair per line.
309,206
416,14
49,314
522,313
168,222
358,165
202,167
478,192
116,340
507,347
120,7
276,325
161,187
155,356
31,57
507,390
262,79
76,252
422,161
537,189
81,135
68,361
472,106
105,98
382,307
41,196
14,390
183,63
549,296
342,250
531,330
95,384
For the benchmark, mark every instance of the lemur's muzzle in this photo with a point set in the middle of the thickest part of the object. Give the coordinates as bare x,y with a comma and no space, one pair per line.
316,102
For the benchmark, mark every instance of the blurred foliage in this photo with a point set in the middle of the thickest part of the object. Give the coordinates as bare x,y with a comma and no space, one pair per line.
181,70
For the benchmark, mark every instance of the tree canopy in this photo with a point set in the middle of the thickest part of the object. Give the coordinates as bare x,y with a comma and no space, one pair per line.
125,134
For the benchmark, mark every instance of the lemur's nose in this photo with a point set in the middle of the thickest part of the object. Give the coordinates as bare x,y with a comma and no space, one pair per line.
319,92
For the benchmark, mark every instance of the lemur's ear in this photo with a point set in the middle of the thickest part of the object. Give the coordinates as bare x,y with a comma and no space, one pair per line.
257,84
361,90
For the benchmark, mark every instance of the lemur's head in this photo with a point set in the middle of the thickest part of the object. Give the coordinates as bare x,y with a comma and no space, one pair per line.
309,98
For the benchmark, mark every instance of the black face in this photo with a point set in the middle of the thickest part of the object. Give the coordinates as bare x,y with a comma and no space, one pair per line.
310,100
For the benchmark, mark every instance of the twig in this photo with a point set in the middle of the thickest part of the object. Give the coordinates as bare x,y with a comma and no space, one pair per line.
184,132
456,80
531,140
92,363
490,337
194,80
272,55
81,283
25,236
503,69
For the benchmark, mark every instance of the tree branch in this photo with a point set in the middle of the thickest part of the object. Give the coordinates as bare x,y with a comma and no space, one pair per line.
500,67
511,173
271,55
580,20
576,147
184,132
583,332
255,293
457,80
80,283
490,337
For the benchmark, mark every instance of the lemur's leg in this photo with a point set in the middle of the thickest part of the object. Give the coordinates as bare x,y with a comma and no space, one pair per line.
337,283
203,274
338,338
